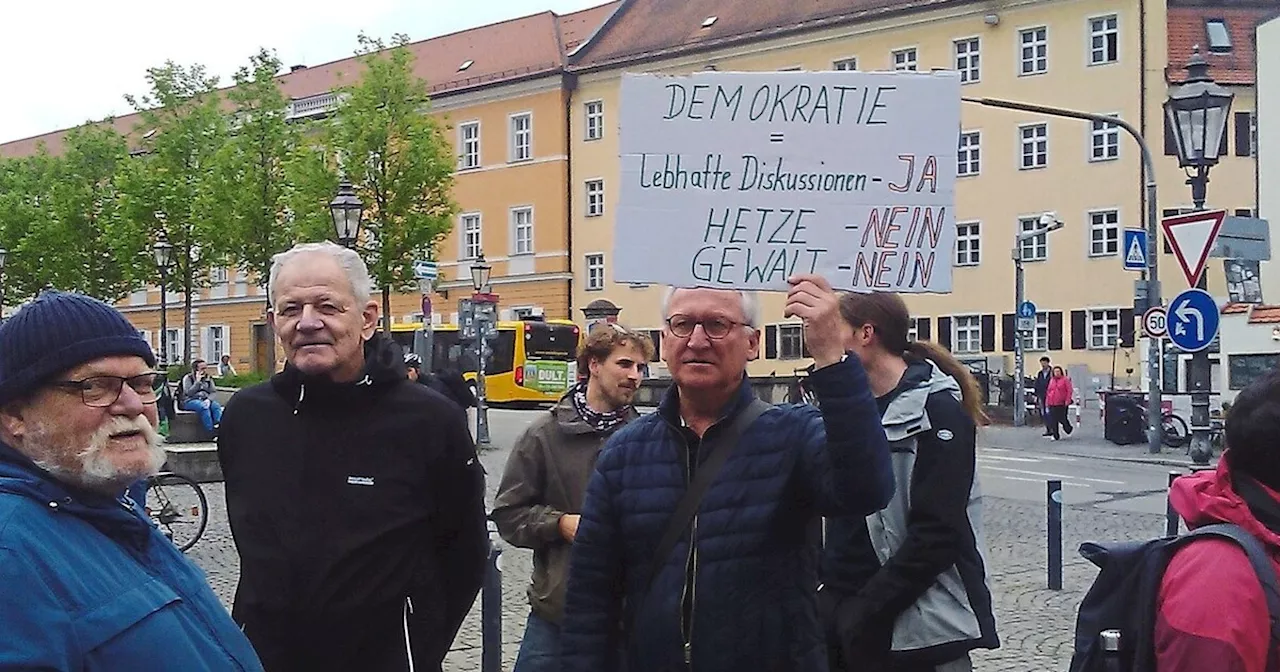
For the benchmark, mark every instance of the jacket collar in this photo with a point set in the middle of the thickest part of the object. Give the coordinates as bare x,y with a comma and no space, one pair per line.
669,408
383,369
905,413
570,422
116,517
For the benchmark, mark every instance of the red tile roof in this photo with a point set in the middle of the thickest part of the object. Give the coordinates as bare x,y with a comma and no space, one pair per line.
519,48
1187,30
1265,315
1236,308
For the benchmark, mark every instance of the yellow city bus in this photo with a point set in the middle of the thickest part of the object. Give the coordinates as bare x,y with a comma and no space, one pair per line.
531,360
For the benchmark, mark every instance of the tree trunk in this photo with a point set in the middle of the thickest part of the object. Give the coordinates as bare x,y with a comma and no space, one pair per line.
386,310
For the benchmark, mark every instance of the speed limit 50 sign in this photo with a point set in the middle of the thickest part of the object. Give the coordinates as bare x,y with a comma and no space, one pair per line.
1155,322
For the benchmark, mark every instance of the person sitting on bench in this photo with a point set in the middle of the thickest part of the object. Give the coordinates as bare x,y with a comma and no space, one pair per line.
196,394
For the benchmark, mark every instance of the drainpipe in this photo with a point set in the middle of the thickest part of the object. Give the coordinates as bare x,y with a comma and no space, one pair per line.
570,85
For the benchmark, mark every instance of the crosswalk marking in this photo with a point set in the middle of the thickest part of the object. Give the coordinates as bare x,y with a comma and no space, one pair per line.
1058,476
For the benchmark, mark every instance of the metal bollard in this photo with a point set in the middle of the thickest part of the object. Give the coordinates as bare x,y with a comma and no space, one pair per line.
1170,516
1054,501
491,607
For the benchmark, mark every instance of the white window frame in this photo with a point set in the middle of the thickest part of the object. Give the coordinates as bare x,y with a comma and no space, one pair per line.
969,62
1039,338
593,119
595,196
469,148
1039,159
1039,58
969,154
798,331
909,61
969,233
1110,135
174,343
1106,321
973,332
594,264
1103,233
467,248
1035,248
218,276
913,331
521,245
1094,32
521,148
211,356
847,64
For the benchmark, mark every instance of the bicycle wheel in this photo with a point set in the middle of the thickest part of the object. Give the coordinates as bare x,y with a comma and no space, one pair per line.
1175,432
177,505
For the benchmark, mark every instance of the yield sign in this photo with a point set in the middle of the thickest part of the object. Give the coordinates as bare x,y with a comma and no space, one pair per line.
1192,236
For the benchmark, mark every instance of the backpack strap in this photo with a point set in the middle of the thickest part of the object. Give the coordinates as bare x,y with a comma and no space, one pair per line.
1265,570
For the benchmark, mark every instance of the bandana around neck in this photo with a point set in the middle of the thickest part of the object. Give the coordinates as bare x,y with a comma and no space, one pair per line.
601,422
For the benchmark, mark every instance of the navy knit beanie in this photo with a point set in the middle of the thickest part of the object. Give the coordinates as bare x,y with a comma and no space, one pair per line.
59,331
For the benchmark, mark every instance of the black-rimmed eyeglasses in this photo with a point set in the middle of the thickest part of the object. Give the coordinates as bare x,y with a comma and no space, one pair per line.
682,326
103,391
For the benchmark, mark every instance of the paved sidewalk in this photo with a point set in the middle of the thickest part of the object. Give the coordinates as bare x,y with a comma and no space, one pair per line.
1086,441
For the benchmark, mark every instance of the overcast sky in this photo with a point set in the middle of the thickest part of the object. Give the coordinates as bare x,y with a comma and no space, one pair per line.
70,61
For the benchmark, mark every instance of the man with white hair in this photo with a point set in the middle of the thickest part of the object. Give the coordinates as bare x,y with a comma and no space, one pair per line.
86,581
701,523
355,496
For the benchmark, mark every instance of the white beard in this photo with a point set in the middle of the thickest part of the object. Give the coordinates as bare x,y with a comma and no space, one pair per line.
95,469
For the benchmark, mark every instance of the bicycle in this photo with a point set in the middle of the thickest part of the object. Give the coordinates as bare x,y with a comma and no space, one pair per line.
178,506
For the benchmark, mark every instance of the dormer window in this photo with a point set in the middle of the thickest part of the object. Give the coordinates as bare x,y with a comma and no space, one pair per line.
465,64
1219,37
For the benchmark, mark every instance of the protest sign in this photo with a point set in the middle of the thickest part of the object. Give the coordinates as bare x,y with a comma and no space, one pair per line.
740,179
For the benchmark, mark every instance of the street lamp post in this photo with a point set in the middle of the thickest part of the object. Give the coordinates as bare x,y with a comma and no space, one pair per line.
163,252
1198,110
483,305
346,210
1048,222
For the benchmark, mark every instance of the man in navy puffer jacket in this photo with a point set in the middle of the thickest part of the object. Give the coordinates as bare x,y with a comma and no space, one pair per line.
738,591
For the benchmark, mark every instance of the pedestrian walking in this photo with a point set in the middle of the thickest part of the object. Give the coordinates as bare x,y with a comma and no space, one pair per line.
1042,394
1060,393
355,497
906,589
701,523
87,582
539,501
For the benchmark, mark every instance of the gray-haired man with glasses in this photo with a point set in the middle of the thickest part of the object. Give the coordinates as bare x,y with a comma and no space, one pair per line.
86,581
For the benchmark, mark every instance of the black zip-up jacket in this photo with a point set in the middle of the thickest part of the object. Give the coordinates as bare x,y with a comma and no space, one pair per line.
358,513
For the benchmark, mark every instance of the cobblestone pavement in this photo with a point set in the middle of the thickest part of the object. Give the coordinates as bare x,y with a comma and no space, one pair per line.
1036,624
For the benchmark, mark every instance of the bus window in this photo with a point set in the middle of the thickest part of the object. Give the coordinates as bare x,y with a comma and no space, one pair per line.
550,341
501,355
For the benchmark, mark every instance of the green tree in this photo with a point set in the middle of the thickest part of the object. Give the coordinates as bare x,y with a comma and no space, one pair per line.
170,188
396,155
24,184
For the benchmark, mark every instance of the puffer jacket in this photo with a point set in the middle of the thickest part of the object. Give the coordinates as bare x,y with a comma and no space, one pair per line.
88,583
1061,391
908,584
545,478
1211,613
748,561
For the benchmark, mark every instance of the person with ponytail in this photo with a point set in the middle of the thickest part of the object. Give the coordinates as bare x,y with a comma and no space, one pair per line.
906,588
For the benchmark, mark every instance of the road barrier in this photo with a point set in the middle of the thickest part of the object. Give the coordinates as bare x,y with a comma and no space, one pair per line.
1053,499
491,607
1170,516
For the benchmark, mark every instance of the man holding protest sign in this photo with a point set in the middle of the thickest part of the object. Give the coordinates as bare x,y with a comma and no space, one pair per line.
700,523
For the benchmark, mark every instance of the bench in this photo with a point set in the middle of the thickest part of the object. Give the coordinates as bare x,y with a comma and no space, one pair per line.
185,427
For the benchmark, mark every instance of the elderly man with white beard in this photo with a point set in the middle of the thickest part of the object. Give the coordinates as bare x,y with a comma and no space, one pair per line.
86,581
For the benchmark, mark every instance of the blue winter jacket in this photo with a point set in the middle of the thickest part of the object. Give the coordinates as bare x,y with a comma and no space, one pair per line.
755,552
88,583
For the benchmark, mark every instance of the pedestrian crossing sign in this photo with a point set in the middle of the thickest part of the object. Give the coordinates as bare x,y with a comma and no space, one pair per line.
1135,249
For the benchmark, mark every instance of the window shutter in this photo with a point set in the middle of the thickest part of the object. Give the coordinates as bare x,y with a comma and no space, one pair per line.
1079,339
944,332
804,345
1055,331
771,342
655,335
1126,327
922,328
1008,332
988,333
1244,133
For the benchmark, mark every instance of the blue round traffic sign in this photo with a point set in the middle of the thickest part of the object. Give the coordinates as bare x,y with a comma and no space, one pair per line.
1193,320
1026,309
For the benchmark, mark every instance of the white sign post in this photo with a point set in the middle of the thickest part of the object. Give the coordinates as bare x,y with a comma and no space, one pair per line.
739,180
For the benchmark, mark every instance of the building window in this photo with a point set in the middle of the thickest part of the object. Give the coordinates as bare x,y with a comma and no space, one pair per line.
469,135
1104,329
968,243
522,137
904,59
1104,40
1104,233
1035,146
845,64
215,344
968,59
595,120
1217,35
1104,141
1034,51
968,336
1244,370
969,155
1246,130
790,341
470,236
522,230
173,341
1039,340
595,198
1035,248
913,331
595,272
218,276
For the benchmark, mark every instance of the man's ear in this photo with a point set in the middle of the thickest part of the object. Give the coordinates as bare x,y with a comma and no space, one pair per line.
13,421
372,311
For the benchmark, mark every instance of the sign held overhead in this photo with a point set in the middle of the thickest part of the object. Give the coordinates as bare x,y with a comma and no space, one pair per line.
1192,236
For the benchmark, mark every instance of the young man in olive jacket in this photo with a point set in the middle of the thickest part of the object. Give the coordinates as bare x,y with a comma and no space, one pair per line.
354,496
546,478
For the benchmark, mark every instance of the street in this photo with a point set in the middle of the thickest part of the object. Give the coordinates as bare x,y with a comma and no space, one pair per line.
1104,499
